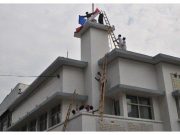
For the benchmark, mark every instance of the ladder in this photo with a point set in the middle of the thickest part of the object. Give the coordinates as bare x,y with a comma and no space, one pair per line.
103,80
110,31
69,112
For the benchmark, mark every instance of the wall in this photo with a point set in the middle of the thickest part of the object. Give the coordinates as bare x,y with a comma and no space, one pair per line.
46,89
94,45
90,122
113,74
169,99
73,78
138,74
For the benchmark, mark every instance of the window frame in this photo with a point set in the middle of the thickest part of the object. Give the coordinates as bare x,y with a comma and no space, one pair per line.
55,114
114,108
139,105
43,119
32,125
177,99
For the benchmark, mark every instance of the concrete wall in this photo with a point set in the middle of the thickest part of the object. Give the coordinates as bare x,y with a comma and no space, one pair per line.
90,122
113,74
73,78
92,49
138,74
75,124
169,100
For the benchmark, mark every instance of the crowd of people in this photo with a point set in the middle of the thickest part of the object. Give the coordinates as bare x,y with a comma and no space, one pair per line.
83,108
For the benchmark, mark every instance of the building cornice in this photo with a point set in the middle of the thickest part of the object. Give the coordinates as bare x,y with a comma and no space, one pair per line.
119,53
122,88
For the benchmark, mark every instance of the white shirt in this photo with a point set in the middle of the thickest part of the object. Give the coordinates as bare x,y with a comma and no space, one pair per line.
124,45
120,40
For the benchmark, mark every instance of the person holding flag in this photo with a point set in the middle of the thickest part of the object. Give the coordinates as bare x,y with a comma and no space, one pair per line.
89,16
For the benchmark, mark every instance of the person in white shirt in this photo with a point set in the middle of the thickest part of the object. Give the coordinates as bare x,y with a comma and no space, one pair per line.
123,45
119,41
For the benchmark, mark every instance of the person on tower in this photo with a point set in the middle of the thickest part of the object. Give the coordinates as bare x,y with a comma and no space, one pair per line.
100,18
88,15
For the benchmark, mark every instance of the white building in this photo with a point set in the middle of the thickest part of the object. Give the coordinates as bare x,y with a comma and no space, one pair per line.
140,93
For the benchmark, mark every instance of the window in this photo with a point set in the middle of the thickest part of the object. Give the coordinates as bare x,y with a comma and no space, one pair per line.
116,107
24,128
5,121
43,122
55,115
4,124
178,106
32,125
139,107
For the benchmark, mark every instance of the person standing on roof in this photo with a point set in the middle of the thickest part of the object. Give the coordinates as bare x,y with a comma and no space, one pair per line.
100,18
119,41
124,43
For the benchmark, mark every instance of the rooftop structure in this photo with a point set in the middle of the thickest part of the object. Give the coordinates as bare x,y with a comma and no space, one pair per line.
142,92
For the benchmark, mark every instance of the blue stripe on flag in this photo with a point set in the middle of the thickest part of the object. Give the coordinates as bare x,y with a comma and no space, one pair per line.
82,20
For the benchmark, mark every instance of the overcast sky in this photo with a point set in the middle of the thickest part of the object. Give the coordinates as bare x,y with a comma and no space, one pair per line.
33,36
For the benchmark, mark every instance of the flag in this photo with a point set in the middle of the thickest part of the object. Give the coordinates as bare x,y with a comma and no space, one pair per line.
78,29
96,12
82,20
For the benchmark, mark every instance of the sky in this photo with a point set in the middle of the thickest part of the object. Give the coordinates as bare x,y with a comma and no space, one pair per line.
32,36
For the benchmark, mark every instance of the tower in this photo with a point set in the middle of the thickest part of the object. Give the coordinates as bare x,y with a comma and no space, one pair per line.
94,45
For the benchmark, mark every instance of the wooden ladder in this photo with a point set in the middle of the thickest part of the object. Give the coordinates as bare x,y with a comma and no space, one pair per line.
69,111
103,80
110,31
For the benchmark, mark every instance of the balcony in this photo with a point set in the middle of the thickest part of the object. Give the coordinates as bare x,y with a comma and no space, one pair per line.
90,122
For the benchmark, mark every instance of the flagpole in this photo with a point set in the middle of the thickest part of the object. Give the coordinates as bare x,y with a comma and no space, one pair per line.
92,7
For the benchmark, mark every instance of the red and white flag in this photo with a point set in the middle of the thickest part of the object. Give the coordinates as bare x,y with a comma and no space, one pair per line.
97,11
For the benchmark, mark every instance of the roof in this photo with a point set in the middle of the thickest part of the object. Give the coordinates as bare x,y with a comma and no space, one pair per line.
59,62
118,53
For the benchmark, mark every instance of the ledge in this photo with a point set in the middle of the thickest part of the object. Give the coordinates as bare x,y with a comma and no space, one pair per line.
119,53
132,89
89,24
106,116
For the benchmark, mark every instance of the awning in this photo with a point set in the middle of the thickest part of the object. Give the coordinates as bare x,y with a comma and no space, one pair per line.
121,88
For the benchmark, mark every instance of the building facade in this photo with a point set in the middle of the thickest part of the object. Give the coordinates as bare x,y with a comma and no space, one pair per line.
142,92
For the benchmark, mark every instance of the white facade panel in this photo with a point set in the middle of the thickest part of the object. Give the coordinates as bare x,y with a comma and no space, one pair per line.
73,78
138,74
39,95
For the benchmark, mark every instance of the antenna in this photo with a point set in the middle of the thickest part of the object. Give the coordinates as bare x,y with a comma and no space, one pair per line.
67,53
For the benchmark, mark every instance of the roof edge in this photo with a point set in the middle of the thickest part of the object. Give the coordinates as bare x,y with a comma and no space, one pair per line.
118,53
